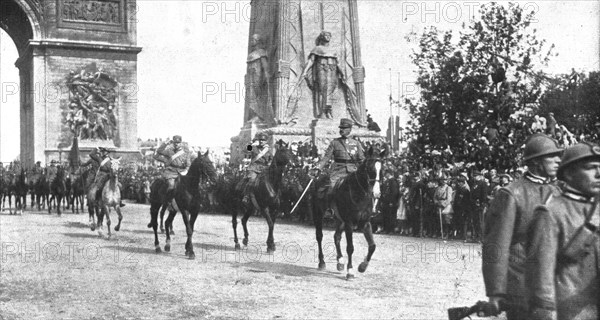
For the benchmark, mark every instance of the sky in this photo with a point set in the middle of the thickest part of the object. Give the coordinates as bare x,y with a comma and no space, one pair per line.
192,65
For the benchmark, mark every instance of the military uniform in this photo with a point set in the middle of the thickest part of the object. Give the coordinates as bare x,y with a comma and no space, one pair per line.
505,233
564,245
176,161
561,288
51,171
261,158
104,165
346,154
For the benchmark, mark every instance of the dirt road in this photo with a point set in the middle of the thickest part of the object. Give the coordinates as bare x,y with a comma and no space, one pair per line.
57,268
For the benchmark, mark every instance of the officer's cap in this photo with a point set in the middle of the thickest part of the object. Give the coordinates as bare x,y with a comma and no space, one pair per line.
578,152
345,123
102,149
261,136
177,139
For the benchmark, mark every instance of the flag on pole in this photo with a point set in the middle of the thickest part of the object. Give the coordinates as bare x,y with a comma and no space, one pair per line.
74,154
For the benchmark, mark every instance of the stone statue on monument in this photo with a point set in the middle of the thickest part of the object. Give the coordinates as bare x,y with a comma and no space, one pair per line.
91,107
258,86
325,77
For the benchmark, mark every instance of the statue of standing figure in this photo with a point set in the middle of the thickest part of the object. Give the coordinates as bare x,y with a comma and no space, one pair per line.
258,84
326,72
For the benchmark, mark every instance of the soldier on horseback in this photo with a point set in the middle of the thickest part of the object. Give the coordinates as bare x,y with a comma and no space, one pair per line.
260,159
100,159
346,154
38,168
51,171
176,161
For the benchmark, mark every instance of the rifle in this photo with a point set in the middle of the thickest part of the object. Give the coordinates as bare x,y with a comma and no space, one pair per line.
481,309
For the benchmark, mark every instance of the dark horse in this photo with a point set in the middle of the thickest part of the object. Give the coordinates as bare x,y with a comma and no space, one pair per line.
189,191
77,193
352,201
267,195
58,189
20,189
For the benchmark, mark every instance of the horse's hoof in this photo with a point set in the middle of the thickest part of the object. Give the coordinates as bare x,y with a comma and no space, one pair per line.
362,267
167,247
349,276
245,242
192,256
340,266
321,265
237,246
172,232
93,226
157,249
150,225
117,228
162,230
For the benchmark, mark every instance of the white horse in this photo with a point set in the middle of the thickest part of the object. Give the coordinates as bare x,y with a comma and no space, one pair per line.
111,197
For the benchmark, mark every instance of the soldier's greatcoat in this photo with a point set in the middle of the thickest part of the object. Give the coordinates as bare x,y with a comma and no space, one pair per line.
505,235
560,287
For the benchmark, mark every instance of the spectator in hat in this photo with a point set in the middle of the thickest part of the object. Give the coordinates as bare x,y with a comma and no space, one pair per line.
389,200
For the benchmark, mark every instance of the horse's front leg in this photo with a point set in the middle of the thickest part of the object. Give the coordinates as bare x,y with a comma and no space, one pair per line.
154,207
349,249
118,209
169,224
245,218
106,210
271,223
318,221
189,249
234,223
92,215
368,232
58,200
162,217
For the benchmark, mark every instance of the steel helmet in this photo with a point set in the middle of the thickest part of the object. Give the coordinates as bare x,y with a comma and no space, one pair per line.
539,145
575,153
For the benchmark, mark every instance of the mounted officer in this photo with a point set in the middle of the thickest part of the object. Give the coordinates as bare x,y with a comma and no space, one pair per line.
38,168
51,171
176,162
346,154
563,243
260,159
509,217
103,162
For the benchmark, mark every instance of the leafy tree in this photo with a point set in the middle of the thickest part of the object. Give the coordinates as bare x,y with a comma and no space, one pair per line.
574,99
481,74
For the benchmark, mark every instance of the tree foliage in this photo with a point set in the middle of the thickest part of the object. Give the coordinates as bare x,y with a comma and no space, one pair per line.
574,99
481,74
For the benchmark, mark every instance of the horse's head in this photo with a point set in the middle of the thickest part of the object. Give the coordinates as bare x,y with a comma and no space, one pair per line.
115,164
372,167
283,155
203,169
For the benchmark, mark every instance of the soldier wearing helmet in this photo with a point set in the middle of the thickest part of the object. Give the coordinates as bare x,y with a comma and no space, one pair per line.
176,162
564,245
508,219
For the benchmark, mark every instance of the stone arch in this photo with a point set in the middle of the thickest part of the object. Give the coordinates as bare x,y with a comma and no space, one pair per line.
21,22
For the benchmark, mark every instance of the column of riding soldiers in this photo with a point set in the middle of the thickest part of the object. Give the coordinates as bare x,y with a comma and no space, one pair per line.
541,248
